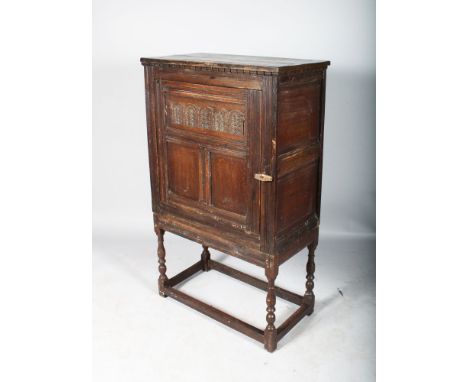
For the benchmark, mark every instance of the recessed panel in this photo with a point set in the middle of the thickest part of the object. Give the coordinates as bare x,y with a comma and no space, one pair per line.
184,170
296,196
229,189
298,116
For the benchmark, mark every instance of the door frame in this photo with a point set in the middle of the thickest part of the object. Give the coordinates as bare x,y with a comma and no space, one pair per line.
248,148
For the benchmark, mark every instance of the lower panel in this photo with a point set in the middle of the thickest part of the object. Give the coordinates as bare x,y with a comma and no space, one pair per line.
296,197
237,245
229,188
297,239
184,166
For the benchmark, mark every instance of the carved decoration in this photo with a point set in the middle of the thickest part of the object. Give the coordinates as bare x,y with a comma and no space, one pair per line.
176,113
206,118
209,118
309,69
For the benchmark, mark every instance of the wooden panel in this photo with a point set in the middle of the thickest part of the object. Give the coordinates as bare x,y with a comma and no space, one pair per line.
214,236
209,117
184,168
296,196
296,159
241,81
229,189
207,110
298,115
296,238
206,91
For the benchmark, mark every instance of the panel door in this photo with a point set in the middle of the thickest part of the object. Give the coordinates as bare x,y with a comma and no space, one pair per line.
209,138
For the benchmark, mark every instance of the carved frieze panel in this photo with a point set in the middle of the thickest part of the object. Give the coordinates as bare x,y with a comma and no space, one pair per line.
207,117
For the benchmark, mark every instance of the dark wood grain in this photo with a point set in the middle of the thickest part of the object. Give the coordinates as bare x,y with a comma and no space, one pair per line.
205,259
296,196
183,170
227,191
271,334
309,296
298,116
162,280
236,156
236,63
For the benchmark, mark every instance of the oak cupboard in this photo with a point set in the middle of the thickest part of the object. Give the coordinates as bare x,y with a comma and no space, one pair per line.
235,152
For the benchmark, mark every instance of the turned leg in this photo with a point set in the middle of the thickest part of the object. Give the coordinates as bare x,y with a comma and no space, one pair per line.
271,271
205,258
162,262
309,296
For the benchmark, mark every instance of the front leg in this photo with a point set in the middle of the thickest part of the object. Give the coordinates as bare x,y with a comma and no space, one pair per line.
162,262
309,296
270,334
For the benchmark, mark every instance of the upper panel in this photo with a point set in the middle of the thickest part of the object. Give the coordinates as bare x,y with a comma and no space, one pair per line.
208,110
258,65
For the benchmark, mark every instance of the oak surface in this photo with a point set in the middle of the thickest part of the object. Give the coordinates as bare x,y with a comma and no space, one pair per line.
235,150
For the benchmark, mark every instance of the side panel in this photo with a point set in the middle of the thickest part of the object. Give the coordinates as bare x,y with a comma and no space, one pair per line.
151,93
295,195
298,115
299,141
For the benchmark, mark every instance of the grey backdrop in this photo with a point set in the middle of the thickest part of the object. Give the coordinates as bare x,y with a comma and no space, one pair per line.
339,31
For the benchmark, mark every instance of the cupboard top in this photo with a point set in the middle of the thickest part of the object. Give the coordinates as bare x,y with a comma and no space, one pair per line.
236,63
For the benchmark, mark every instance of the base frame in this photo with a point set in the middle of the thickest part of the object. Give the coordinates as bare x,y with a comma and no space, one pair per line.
306,305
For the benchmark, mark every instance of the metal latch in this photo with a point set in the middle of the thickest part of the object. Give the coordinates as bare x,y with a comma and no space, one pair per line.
263,177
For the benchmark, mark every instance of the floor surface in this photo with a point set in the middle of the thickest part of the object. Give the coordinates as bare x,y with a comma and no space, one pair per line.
139,336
